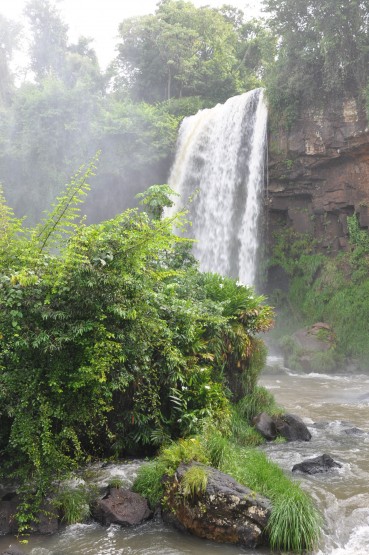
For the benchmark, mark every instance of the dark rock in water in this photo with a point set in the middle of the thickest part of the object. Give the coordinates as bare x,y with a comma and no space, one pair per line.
13,550
121,506
322,425
323,463
354,431
225,512
265,425
292,428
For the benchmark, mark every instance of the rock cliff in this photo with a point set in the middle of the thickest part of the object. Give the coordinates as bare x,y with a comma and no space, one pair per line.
319,173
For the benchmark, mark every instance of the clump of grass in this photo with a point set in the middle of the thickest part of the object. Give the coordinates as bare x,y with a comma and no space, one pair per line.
74,504
260,400
116,482
194,482
183,450
244,434
216,446
149,482
295,522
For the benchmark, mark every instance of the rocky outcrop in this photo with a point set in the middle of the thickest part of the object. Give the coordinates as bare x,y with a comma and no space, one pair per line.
323,463
225,512
319,172
122,506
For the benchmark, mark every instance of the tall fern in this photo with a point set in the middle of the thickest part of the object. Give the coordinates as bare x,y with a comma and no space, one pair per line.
56,228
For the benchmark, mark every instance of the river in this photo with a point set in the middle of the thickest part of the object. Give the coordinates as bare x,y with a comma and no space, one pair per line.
336,409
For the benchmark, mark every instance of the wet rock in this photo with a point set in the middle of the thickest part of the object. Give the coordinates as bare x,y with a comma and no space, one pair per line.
265,425
121,506
292,428
354,431
225,512
323,463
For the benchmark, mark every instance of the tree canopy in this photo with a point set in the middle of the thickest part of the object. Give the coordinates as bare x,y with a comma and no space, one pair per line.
323,49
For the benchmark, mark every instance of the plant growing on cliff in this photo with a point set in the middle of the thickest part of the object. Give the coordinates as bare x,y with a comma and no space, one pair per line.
333,289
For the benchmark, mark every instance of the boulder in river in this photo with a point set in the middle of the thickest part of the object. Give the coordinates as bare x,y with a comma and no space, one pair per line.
292,428
225,511
265,425
322,463
122,506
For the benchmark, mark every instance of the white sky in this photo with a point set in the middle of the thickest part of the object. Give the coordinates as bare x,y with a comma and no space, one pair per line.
99,19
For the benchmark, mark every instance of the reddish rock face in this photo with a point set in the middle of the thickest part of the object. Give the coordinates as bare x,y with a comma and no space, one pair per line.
319,173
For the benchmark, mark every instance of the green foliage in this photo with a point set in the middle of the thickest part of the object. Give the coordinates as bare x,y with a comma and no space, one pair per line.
112,341
294,524
183,450
260,400
194,482
149,482
322,50
116,482
156,198
242,432
330,289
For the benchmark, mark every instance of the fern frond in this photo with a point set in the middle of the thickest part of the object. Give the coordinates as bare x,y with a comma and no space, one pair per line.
59,224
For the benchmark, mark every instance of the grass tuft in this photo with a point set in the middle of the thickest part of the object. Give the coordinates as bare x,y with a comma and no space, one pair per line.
194,482
149,482
74,504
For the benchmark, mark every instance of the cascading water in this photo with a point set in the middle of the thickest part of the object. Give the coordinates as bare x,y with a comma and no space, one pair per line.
221,153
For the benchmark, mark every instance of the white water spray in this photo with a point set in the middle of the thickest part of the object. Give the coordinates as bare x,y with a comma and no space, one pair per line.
221,152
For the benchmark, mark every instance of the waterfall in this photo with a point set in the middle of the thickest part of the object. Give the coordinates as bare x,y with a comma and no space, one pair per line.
221,153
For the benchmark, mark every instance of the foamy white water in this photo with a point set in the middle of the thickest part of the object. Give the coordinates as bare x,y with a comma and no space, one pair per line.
221,154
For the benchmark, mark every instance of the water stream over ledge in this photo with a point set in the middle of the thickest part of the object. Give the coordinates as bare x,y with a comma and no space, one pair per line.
332,405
